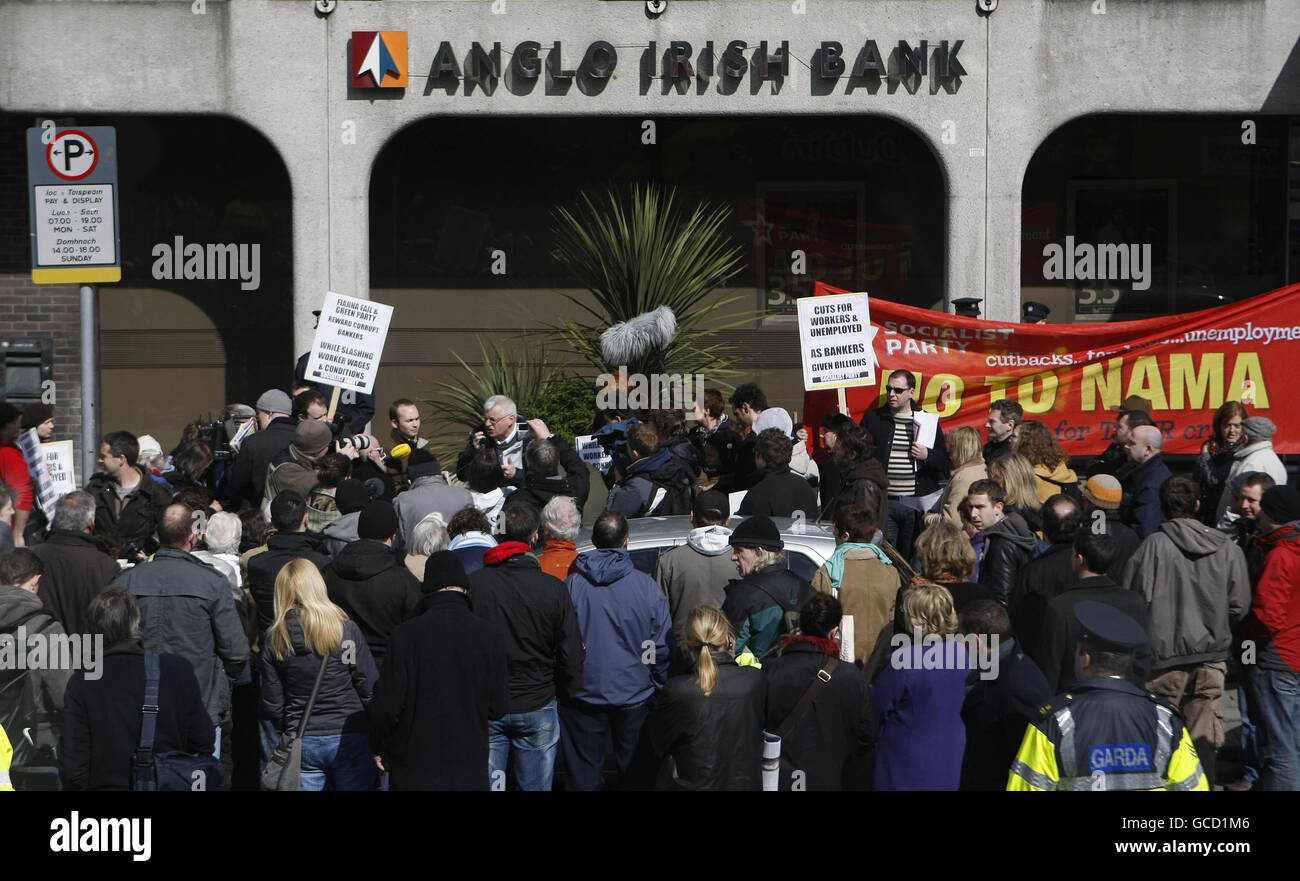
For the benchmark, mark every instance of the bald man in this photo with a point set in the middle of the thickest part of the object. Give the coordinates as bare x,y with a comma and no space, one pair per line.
1140,507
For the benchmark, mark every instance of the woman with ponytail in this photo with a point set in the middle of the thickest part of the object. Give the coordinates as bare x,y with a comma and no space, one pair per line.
707,725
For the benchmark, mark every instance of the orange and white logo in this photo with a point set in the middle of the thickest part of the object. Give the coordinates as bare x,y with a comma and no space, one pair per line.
379,59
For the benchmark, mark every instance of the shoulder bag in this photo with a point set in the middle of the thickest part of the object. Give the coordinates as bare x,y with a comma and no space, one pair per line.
283,771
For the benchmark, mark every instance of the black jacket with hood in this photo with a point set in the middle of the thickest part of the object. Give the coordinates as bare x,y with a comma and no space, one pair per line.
1008,545
346,689
281,548
131,521
375,588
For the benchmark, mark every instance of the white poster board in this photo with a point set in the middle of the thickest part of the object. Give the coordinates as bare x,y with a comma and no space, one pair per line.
58,477
593,453
349,343
835,342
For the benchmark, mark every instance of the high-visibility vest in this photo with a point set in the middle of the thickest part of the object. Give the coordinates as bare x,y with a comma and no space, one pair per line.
6,756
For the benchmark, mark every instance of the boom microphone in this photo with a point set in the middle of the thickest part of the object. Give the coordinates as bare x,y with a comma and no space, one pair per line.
629,340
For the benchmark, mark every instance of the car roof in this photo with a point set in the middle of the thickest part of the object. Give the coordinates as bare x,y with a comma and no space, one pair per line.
652,531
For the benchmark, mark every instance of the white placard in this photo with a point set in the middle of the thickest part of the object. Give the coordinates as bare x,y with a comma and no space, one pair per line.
927,428
349,343
835,342
58,477
846,639
592,452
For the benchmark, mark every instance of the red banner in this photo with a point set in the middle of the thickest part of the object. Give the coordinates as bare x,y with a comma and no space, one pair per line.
1072,378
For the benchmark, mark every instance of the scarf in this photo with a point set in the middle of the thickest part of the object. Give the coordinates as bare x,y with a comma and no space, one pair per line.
504,551
835,565
824,644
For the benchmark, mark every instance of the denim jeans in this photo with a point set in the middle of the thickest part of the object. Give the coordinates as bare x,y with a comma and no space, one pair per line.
338,761
522,748
901,531
1249,735
586,733
1275,701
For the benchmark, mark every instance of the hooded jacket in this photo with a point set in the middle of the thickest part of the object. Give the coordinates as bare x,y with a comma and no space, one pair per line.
1140,507
75,571
128,521
1274,620
248,473
367,581
346,689
341,533
1258,456
281,548
780,493
535,614
1055,480
756,606
620,612
862,483
696,574
635,493
1194,581
1008,545
428,493
186,609
292,469
867,590
45,684
469,548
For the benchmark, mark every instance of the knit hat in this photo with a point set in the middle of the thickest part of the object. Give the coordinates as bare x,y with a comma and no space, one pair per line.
311,436
35,414
275,401
444,569
1104,491
422,463
711,505
351,495
1258,428
378,521
757,532
1281,504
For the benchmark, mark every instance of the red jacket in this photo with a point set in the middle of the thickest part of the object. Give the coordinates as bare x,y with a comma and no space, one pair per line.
1275,612
13,471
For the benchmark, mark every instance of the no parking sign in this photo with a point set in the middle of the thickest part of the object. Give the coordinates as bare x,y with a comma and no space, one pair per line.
72,186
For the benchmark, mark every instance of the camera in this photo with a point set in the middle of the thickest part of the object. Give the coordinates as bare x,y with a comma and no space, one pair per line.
360,441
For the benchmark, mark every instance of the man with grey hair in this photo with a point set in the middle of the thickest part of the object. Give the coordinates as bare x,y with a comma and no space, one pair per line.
221,536
1140,507
561,521
76,568
510,436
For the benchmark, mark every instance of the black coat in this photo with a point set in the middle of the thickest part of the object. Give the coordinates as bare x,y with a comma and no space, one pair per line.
1060,629
444,680
997,449
248,472
879,423
1039,582
832,741
101,718
346,689
263,568
1008,545
714,741
574,468
134,523
75,571
534,613
862,483
779,493
1126,540
996,713
377,591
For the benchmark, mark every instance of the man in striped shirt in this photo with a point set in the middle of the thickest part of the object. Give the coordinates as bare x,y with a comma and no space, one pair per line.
913,470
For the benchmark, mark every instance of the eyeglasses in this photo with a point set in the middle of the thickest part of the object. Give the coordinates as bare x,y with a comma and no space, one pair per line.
896,391
495,419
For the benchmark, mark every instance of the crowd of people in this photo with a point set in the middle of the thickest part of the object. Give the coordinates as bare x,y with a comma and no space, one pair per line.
994,615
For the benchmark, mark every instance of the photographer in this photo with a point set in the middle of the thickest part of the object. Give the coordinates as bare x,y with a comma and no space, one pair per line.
509,435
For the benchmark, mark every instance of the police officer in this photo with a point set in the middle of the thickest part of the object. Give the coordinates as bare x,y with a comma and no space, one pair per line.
1105,732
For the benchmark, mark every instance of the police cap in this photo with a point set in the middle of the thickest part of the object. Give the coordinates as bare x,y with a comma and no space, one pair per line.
1108,628
1035,311
968,306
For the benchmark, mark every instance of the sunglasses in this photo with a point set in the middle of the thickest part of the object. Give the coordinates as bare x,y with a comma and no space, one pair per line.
896,391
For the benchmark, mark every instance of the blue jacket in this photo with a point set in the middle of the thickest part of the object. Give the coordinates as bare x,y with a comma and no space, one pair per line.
1140,507
624,620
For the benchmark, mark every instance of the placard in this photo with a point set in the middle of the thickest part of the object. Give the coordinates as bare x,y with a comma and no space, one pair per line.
349,343
835,342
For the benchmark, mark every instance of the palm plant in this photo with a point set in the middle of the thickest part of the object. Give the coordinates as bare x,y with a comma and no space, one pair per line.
641,252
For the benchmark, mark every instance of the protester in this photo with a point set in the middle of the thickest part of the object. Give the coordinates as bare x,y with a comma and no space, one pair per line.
127,501
471,537
860,576
750,407
535,614
1102,496
1016,477
1004,416
350,496
309,631
543,479
1115,460
697,572
627,630
965,453
862,479
298,467
561,522
1141,508
191,466
944,556
484,478
1050,573
715,435
1194,581
1093,560
14,471
830,744
368,582
757,605
75,567
102,715
656,481
275,431
707,725
510,437
1216,457
404,417
429,492
7,499
445,680
1052,472
1008,544
998,708
1255,454
430,537
921,734
828,486
290,541
777,492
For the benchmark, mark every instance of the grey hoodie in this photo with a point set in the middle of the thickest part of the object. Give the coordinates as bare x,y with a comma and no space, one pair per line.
696,574
49,683
1194,581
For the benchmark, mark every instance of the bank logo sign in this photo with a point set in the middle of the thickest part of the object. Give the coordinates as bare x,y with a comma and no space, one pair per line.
379,59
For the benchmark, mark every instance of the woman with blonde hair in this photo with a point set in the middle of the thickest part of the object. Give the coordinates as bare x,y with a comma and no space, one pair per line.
945,556
309,631
1015,475
707,725
966,453
1052,472
919,696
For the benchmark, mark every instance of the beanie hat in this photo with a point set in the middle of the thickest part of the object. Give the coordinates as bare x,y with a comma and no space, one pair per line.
378,521
1104,491
1281,504
1258,428
444,569
757,532
422,463
275,401
35,414
351,495
312,436
711,505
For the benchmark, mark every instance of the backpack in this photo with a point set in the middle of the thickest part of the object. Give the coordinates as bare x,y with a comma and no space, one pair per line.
670,496
34,765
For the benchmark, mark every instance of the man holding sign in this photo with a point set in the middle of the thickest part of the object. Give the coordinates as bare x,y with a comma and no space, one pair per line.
910,444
